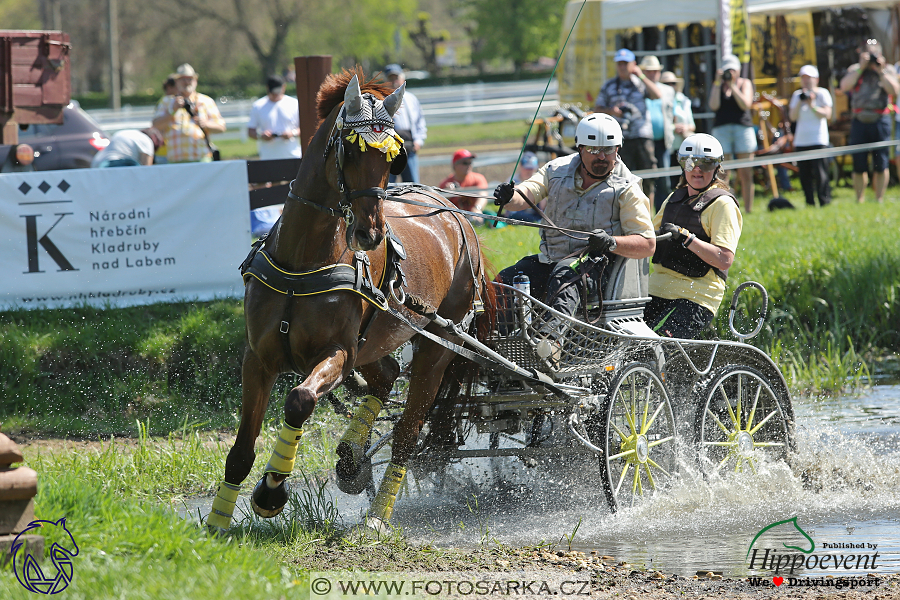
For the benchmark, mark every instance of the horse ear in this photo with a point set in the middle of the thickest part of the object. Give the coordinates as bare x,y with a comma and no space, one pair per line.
392,102
353,97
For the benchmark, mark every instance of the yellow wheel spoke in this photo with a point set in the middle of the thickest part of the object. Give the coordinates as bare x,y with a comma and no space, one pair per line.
658,442
740,395
649,424
629,416
753,410
734,420
650,476
646,409
653,464
621,454
724,429
622,478
724,460
622,436
636,487
763,422
752,464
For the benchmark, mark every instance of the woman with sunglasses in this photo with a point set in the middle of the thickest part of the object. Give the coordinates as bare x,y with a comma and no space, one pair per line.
690,267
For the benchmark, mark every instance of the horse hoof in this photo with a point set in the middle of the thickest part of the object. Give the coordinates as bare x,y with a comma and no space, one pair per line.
216,531
375,524
353,469
268,502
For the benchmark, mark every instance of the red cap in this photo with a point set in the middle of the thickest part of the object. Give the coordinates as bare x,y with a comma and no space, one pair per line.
461,154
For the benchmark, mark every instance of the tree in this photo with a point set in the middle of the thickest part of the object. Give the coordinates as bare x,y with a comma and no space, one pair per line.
527,30
426,41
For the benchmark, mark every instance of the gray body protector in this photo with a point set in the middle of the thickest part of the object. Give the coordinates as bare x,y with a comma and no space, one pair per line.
596,209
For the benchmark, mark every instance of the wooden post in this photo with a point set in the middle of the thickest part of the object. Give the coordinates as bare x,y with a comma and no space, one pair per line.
782,58
311,72
18,487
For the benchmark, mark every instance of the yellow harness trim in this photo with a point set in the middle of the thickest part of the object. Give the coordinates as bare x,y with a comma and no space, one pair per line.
390,146
383,504
282,459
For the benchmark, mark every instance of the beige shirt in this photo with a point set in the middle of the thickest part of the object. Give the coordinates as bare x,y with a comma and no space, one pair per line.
722,222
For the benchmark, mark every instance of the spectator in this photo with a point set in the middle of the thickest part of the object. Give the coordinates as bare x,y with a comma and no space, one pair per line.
623,98
810,108
187,118
409,123
731,97
662,118
527,168
690,268
129,148
275,123
464,177
871,83
169,89
683,114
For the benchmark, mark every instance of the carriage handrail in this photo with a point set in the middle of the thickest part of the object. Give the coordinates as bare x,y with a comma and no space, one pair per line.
762,317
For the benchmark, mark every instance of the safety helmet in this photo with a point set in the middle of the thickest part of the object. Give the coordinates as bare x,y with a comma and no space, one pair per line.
702,149
598,129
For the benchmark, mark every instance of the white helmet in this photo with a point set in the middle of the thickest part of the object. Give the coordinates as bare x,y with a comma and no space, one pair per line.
700,148
598,129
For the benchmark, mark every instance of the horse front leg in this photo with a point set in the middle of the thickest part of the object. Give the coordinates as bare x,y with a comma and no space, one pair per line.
272,491
426,371
256,385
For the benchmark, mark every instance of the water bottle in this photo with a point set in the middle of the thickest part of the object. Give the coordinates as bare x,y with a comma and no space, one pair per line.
522,283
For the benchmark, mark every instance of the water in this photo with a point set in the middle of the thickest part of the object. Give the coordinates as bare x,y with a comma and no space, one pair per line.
843,487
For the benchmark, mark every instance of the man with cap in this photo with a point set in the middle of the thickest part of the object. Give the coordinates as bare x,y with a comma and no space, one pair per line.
872,84
464,177
409,123
275,123
662,117
730,98
810,108
623,97
186,119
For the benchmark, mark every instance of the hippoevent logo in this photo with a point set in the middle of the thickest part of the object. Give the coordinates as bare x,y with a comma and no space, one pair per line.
29,572
782,560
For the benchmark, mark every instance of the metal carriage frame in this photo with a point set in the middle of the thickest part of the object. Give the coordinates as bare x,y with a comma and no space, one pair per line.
641,405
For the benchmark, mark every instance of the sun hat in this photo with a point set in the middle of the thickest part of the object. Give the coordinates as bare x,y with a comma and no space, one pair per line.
623,55
529,160
184,70
809,70
393,69
461,154
730,61
670,77
650,63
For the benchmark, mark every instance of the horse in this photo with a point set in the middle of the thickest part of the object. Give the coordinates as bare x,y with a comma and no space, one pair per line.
336,238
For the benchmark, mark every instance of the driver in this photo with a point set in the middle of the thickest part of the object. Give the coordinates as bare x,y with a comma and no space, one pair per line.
691,267
591,191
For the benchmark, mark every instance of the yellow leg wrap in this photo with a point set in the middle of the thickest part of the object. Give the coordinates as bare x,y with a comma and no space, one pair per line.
383,505
361,425
223,506
282,459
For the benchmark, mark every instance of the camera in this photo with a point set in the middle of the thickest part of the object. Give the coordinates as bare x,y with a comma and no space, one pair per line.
804,95
726,76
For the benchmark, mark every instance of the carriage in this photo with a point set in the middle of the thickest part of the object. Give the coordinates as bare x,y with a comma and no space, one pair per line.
637,405
351,274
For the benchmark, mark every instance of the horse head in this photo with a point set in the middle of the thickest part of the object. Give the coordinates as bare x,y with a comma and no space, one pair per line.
366,149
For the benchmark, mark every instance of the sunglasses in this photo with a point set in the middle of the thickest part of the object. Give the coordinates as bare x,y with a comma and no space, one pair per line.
707,165
464,162
598,150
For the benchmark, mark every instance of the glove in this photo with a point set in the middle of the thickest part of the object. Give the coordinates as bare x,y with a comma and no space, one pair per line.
676,231
503,193
600,241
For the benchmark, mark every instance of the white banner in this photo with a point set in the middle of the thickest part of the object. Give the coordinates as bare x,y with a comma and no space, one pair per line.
123,236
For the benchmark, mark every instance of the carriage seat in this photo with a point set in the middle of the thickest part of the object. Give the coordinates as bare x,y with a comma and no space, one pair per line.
626,289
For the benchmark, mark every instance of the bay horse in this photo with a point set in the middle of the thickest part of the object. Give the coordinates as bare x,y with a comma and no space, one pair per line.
332,238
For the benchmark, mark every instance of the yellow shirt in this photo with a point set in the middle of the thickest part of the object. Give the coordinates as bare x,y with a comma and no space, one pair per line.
722,222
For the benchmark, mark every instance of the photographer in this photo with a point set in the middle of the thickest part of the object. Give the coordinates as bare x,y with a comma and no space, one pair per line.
810,108
730,98
623,98
187,118
871,84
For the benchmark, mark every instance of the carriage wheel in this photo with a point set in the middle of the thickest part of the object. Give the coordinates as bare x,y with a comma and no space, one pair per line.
741,421
637,437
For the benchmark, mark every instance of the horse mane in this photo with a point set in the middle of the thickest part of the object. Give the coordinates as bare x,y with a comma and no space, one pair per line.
332,91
